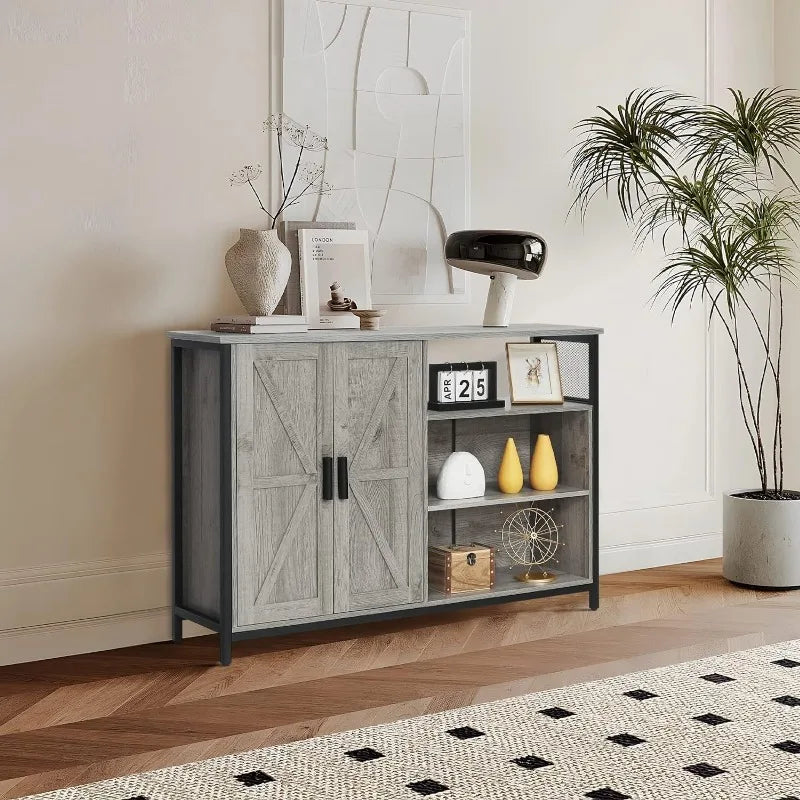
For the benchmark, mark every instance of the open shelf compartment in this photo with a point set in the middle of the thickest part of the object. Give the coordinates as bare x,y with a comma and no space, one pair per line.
484,525
480,519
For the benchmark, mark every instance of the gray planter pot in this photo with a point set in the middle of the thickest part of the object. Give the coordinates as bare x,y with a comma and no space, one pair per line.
761,542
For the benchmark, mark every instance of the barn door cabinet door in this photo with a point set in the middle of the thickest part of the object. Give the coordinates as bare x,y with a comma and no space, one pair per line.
379,519
284,529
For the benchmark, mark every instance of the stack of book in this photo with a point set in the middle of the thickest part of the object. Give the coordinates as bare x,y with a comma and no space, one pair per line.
275,323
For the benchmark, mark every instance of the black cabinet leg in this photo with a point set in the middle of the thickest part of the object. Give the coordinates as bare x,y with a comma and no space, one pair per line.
226,510
177,491
594,597
177,629
225,648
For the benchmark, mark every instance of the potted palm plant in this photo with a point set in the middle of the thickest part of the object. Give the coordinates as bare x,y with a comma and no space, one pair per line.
714,188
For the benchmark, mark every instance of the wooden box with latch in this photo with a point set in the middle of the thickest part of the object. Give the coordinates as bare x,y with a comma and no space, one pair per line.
461,568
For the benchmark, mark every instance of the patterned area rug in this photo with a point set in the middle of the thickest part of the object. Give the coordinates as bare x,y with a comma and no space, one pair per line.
721,728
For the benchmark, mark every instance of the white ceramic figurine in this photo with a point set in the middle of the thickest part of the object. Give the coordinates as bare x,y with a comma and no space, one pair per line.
461,476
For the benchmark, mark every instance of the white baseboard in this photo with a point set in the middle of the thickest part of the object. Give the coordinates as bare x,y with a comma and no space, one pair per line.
20,645
641,538
659,553
58,593
84,607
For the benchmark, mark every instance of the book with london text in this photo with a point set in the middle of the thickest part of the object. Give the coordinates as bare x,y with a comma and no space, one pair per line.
336,276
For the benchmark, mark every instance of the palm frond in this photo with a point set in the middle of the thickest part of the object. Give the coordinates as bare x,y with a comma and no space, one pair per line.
756,134
627,149
688,202
720,264
770,217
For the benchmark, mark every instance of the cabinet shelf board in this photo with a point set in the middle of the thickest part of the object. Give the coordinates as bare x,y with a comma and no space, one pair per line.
505,585
509,410
494,497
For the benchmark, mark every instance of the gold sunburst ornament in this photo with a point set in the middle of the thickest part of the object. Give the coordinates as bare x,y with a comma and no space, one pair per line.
531,538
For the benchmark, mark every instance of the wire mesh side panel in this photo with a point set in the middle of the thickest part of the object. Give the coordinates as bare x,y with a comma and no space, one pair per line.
574,364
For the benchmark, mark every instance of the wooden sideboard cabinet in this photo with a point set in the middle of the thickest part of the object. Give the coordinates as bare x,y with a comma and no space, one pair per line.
304,466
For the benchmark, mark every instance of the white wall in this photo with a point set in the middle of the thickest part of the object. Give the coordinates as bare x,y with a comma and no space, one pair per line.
787,73
120,124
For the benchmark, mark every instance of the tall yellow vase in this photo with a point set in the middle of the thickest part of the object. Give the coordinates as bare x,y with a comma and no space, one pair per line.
510,478
544,470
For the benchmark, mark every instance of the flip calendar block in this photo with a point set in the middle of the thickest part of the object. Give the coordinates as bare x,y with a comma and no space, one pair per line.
463,386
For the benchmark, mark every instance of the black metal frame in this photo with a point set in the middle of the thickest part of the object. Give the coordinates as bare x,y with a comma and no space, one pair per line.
593,343
224,624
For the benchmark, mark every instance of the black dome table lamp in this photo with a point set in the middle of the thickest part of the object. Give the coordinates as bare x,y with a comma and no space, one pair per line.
502,255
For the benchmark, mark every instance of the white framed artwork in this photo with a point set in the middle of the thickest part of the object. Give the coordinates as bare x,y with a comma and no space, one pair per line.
335,276
533,372
387,83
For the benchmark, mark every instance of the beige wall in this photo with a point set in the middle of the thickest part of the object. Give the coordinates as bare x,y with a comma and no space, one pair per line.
121,120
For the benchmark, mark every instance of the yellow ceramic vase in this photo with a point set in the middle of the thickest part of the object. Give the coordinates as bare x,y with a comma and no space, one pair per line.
510,478
544,470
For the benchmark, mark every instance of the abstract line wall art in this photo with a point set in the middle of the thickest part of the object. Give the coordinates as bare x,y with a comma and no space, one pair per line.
388,84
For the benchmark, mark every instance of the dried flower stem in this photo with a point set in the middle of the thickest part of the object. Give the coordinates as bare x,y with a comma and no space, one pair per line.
250,184
298,197
313,175
280,158
287,192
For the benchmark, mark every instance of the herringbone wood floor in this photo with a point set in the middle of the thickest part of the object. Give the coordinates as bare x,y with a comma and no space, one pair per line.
85,718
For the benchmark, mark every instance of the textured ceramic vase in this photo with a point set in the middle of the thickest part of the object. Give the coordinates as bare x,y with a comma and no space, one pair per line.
509,477
258,266
544,470
761,542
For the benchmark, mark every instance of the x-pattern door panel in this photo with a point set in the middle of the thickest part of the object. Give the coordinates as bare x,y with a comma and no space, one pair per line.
379,422
284,428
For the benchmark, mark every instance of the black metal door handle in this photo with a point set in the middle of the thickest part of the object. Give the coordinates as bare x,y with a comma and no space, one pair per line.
342,478
327,478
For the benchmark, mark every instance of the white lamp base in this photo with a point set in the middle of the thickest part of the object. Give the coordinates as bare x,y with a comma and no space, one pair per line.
500,300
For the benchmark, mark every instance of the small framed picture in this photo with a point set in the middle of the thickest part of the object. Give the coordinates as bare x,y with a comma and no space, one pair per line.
533,373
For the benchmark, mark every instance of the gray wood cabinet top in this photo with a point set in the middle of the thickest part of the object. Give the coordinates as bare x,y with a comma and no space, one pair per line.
405,333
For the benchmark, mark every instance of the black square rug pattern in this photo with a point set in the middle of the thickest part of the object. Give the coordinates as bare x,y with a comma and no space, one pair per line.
722,728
